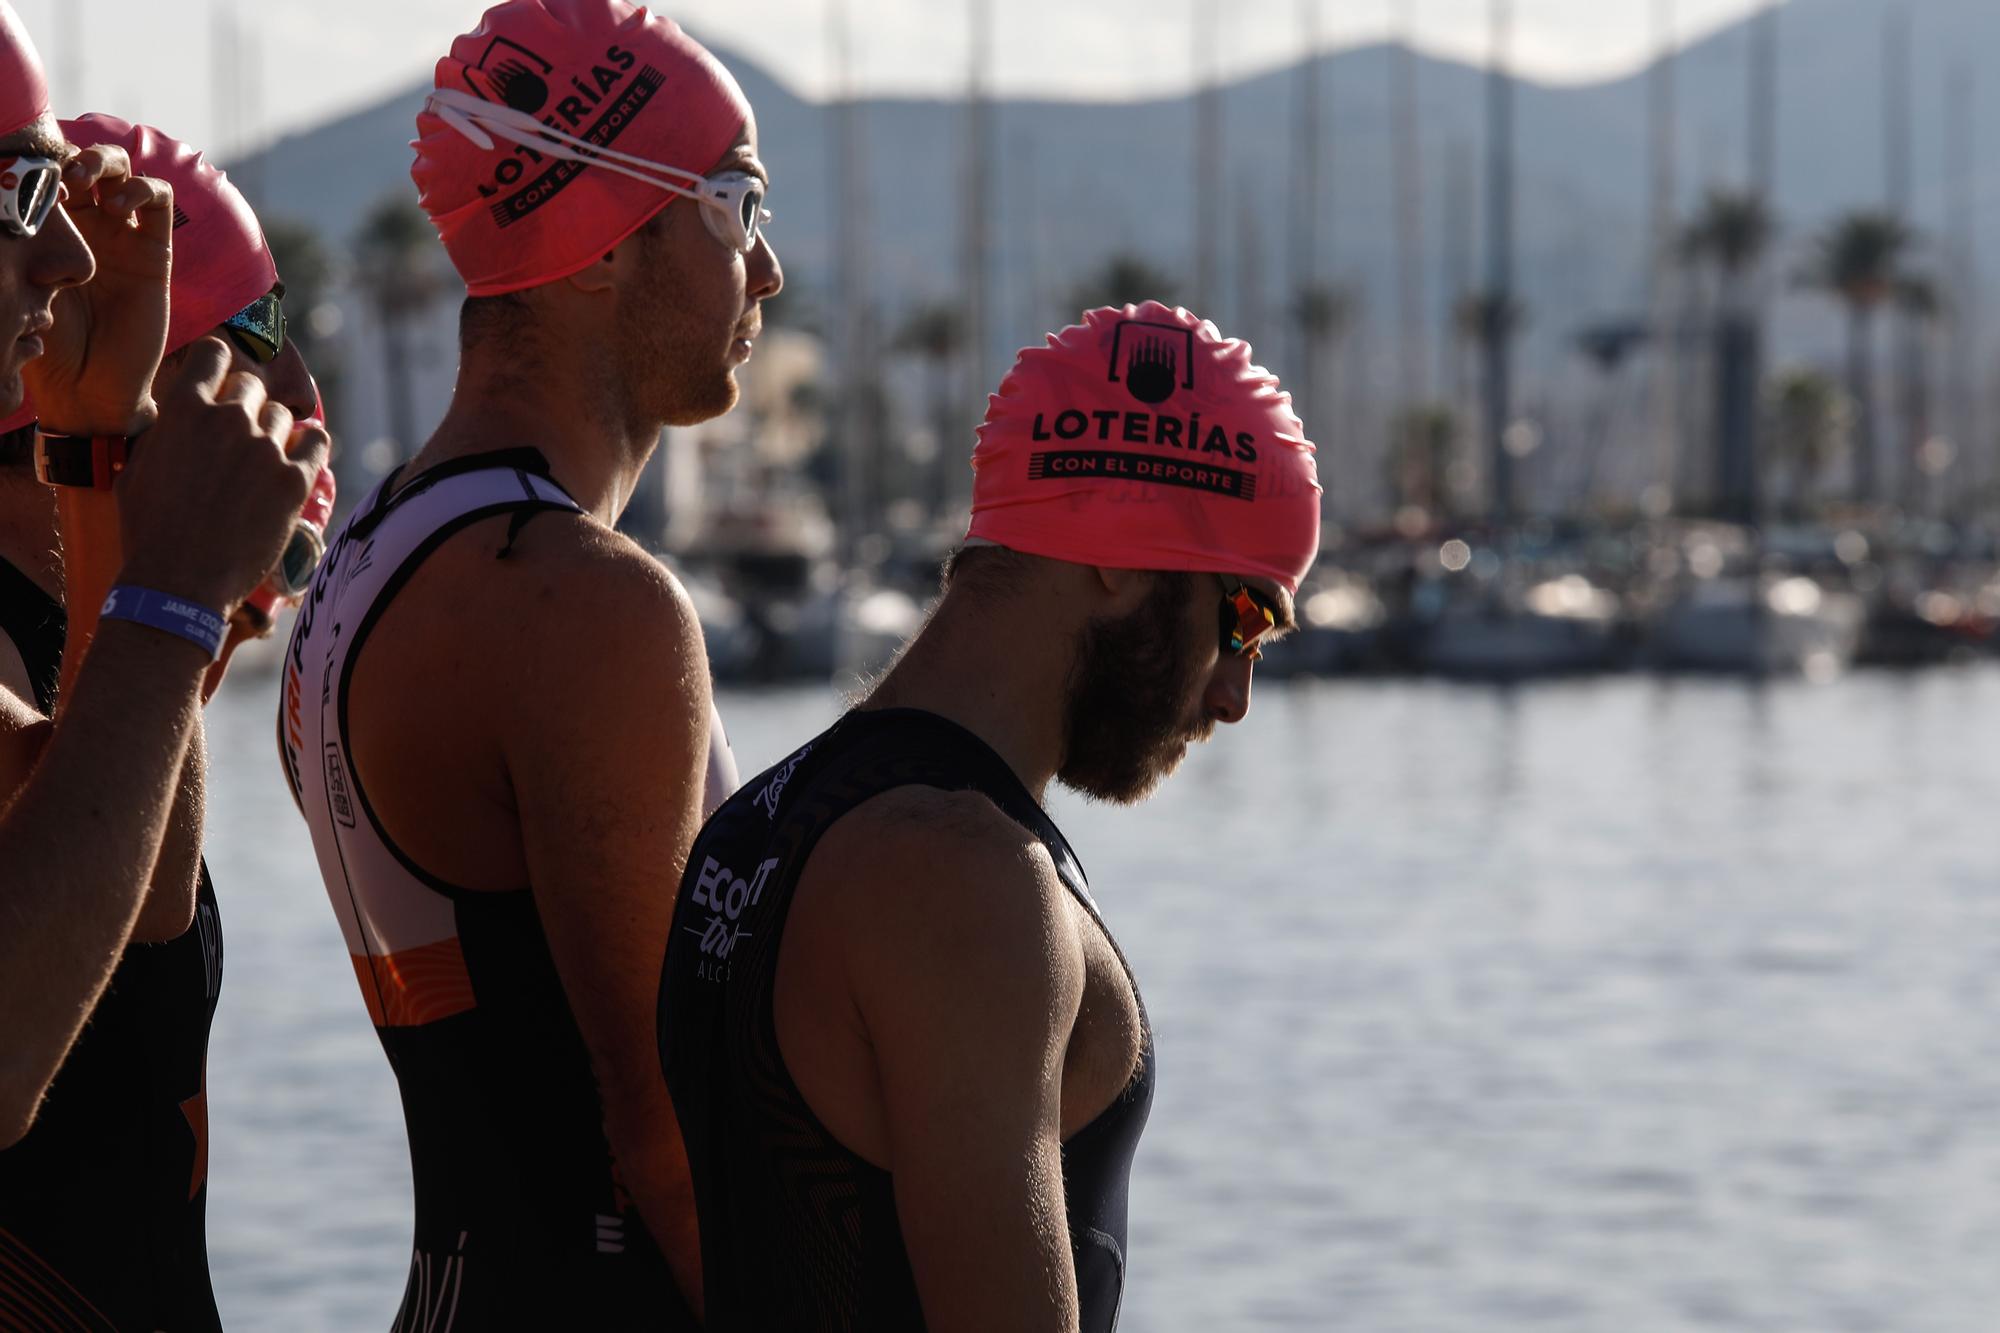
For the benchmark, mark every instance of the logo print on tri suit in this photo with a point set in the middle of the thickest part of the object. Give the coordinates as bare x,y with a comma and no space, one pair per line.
726,895
774,790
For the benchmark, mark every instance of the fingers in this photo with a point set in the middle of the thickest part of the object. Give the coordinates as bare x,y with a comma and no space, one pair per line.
101,177
275,420
105,164
308,450
202,369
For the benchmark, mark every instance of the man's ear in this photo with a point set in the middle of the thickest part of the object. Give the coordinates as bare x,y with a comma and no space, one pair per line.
600,275
1125,589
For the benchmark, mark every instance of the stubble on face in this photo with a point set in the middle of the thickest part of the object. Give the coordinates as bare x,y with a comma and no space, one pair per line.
1134,701
674,349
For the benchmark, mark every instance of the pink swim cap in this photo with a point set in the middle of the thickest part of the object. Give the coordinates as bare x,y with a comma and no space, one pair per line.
221,261
24,90
604,71
1143,439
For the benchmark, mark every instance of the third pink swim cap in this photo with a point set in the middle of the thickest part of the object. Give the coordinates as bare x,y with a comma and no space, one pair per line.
24,92
603,71
1143,439
221,260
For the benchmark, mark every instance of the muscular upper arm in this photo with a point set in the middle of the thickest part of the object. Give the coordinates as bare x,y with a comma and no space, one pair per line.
14,672
604,749
23,733
967,979
605,753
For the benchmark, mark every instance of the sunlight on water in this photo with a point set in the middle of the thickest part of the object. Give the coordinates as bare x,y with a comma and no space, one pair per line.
1624,1005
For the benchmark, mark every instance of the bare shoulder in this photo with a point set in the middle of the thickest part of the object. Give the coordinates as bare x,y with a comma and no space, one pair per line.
938,889
575,595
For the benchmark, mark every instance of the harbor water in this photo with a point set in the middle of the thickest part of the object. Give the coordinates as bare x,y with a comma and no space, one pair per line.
1636,1004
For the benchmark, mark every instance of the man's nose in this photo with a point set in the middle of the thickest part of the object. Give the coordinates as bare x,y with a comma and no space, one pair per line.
58,256
289,381
766,275
1227,698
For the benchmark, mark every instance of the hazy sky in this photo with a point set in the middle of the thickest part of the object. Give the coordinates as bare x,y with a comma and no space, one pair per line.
155,60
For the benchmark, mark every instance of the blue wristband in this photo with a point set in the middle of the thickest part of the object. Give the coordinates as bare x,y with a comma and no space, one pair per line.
197,624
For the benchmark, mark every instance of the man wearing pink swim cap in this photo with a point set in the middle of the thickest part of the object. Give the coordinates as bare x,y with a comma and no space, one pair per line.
102,1128
910,1065
136,1073
497,710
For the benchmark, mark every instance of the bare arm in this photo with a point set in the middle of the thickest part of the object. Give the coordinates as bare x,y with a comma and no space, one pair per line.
168,908
606,749
967,979
79,841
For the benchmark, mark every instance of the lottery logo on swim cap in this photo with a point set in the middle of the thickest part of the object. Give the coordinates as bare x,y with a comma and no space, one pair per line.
1153,361
511,75
595,104
1154,358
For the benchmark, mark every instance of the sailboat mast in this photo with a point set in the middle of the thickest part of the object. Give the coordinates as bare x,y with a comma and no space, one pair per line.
1498,342
978,195
1414,378
1206,182
1662,279
1304,276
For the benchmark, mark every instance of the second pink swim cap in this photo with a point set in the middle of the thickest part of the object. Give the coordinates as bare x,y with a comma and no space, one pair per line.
603,71
1144,439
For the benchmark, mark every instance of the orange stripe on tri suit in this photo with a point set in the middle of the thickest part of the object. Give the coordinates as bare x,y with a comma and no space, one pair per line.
412,987
38,1297
195,1109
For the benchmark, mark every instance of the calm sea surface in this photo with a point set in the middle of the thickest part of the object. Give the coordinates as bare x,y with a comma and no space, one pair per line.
1628,1006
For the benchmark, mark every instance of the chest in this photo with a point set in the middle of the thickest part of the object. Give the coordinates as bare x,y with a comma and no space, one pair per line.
1109,1034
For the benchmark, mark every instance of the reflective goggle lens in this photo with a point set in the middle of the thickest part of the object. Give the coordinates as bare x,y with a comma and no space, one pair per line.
300,560
30,188
1245,620
259,328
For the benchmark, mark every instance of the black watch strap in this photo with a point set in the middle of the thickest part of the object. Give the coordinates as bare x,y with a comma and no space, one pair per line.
91,462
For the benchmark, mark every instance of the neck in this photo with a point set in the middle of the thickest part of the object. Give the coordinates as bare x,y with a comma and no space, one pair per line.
569,407
997,668
28,539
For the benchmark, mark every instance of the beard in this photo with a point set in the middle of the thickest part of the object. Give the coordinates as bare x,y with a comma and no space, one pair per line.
1133,698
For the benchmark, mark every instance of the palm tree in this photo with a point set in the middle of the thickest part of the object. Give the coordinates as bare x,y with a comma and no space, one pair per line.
1857,260
1730,234
1732,231
1607,346
1421,442
306,269
1920,303
1807,418
396,257
1488,320
1323,312
936,335
1124,279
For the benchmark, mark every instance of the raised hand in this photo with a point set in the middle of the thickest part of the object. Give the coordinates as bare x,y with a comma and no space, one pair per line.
207,501
96,375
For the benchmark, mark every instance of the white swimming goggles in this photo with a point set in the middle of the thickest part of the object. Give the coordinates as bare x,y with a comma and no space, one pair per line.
733,201
30,188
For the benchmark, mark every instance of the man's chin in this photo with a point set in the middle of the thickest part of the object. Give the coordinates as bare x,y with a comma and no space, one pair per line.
711,402
1130,787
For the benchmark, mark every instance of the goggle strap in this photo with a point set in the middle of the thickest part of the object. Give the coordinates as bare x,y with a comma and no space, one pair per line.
478,120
